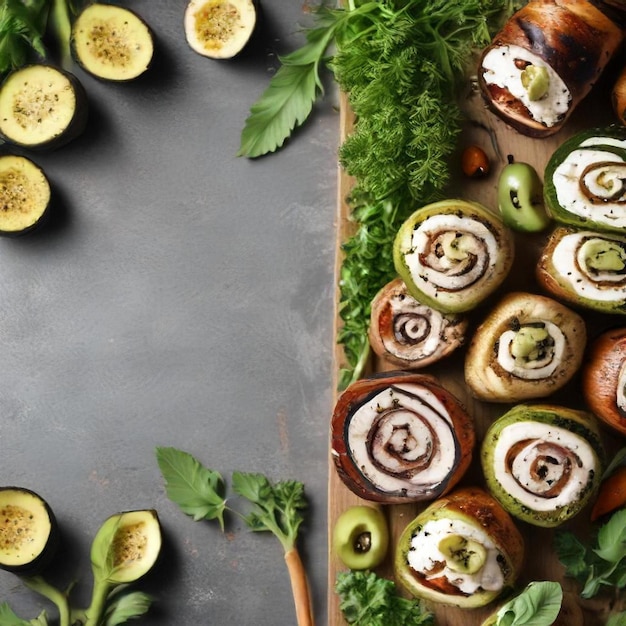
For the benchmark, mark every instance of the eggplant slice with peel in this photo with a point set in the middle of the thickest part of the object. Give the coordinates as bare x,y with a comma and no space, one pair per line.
529,346
453,254
463,550
543,462
400,437
220,29
29,533
24,195
409,334
41,107
111,42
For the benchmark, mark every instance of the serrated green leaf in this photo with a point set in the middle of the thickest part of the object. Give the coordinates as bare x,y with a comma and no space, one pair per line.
284,105
197,490
123,606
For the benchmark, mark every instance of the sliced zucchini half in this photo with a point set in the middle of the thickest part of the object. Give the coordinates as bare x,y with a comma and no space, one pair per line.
126,546
28,531
219,29
41,107
24,194
111,42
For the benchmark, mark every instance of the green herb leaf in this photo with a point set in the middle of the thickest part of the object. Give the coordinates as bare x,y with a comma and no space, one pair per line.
617,619
123,606
9,618
538,605
277,508
366,599
612,538
198,491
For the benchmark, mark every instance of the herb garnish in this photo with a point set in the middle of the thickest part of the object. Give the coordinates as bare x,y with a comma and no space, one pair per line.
367,599
538,605
277,508
401,62
26,24
604,565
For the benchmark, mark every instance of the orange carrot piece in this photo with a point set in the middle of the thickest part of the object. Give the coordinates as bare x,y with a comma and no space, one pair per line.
299,588
611,495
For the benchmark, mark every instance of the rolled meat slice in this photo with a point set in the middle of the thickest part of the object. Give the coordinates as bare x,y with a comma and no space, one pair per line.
463,550
585,268
409,334
543,463
453,254
604,378
529,346
400,437
585,180
545,61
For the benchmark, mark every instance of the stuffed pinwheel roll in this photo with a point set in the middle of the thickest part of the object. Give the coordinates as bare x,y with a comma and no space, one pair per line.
409,334
463,550
585,268
528,347
585,180
543,463
400,437
545,61
604,378
453,254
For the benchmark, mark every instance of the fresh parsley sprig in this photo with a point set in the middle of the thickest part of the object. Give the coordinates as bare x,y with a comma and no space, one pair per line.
367,599
278,508
602,566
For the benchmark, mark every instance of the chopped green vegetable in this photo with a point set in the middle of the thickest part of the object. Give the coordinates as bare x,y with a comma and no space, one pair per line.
538,605
277,508
603,566
367,599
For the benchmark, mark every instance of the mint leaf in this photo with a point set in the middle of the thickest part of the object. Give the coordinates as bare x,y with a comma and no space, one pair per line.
538,605
197,490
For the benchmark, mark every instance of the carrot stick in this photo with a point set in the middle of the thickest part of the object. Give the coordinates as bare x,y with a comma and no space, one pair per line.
299,588
611,495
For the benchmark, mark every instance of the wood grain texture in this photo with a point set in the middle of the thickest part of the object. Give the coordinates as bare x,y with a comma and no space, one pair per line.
498,140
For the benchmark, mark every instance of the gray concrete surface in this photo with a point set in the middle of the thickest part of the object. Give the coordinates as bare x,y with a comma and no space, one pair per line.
180,296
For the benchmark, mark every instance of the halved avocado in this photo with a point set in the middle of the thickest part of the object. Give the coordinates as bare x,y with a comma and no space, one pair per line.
41,107
111,42
219,29
126,546
24,194
28,531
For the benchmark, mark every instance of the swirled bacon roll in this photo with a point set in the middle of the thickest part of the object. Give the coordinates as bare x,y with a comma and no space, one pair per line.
463,550
543,462
585,180
529,346
409,334
400,437
453,254
545,61
604,378
585,268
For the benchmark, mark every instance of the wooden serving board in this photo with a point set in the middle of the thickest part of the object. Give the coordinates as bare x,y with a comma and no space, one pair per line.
498,141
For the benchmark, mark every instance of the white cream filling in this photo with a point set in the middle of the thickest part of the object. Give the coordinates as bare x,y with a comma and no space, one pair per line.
400,404
501,68
526,488
569,263
425,556
568,175
445,282
532,370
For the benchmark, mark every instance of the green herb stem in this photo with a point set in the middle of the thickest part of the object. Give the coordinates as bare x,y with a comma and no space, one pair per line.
101,590
57,597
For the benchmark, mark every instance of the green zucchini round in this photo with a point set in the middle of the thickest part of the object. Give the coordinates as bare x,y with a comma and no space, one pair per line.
41,107
219,29
112,43
28,531
24,195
